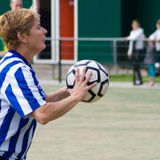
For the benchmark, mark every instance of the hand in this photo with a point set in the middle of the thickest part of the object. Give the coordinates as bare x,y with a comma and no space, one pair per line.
81,86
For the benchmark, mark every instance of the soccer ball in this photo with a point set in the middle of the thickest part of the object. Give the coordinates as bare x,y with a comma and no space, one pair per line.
99,75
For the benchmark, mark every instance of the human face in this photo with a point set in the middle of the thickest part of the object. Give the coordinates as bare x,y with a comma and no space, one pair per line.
135,25
16,4
36,38
158,25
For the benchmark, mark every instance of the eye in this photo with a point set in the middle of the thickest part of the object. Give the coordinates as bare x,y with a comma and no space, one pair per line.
38,26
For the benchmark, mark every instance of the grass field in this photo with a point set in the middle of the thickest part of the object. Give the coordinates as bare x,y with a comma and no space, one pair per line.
129,78
124,125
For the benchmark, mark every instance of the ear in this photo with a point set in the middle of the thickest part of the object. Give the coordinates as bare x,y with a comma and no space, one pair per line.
22,37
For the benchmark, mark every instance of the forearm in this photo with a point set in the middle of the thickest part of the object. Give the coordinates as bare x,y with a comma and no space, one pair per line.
58,95
54,110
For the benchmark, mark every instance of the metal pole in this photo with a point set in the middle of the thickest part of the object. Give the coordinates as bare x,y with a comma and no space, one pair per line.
59,63
115,63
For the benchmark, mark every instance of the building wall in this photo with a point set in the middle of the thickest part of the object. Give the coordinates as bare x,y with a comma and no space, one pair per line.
98,18
146,11
128,13
149,12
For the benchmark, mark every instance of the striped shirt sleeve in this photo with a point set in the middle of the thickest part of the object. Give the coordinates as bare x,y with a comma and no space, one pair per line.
24,93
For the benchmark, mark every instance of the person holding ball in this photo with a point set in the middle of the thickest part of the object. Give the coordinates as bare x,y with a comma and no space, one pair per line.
23,102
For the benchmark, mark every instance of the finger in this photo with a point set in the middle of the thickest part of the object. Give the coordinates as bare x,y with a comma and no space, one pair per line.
92,85
84,71
88,77
77,76
69,91
83,74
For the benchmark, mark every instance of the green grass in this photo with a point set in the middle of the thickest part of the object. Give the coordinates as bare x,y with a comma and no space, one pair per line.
123,125
128,78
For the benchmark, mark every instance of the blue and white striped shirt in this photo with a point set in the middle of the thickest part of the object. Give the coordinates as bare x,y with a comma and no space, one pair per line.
20,95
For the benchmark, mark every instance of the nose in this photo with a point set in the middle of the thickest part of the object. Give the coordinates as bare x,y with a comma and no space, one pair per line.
44,30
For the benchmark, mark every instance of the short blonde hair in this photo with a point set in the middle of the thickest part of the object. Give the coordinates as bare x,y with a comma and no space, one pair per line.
12,22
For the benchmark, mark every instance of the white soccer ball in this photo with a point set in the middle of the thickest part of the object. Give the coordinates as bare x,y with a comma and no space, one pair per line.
99,75
157,65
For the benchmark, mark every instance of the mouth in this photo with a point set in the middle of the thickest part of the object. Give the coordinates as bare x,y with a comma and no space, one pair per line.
44,39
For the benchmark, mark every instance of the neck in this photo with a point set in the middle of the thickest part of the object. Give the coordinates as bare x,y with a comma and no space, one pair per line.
27,54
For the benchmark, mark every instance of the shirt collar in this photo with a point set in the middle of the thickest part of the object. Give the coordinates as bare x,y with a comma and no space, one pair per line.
20,56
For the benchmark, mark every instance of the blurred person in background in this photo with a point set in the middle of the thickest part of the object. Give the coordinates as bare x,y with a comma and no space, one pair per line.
14,4
155,36
135,50
150,60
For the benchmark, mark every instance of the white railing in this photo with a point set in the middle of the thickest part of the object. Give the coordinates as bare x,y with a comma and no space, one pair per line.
115,48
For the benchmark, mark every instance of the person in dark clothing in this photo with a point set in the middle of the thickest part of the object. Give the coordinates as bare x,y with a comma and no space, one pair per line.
136,60
135,50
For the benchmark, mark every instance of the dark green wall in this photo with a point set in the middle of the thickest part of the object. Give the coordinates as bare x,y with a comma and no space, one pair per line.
98,18
5,5
128,13
148,12
112,18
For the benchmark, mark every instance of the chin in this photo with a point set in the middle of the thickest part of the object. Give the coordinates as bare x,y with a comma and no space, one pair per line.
39,50
43,47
